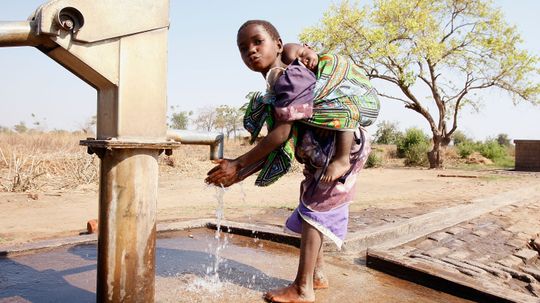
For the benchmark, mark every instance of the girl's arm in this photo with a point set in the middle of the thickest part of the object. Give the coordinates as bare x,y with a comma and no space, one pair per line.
275,138
226,172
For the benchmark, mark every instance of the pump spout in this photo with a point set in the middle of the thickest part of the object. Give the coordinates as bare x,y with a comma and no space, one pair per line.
215,140
19,33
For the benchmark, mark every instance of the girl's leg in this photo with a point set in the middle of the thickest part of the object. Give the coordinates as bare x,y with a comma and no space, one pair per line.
320,281
301,290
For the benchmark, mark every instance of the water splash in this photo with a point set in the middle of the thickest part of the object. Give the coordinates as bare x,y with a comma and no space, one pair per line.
213,270
243,198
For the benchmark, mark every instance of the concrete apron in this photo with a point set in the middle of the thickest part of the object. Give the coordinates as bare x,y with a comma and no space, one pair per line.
248,268
378,287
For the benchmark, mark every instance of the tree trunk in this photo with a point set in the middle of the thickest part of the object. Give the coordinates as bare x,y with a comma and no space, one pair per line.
434,156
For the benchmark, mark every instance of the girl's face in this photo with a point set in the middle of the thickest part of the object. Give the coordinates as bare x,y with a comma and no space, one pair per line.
258,49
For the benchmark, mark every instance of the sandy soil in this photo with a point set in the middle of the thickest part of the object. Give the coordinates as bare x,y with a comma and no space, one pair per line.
30,216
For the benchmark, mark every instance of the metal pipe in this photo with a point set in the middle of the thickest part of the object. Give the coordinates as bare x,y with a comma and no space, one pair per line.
19,33
215,140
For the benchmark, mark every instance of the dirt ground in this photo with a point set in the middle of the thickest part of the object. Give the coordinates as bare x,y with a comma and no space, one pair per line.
27,217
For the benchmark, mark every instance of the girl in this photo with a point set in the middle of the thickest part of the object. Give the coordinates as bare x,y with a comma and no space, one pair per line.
323,208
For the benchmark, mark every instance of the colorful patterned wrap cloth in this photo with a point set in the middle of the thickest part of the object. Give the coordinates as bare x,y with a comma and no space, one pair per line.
339,98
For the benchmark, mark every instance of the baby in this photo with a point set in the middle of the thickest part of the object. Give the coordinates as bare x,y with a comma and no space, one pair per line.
340,162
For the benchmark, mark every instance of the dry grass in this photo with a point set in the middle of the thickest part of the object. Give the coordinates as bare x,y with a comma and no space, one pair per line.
41,161
55,160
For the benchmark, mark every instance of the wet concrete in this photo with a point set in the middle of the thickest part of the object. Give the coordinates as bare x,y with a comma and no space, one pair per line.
184,265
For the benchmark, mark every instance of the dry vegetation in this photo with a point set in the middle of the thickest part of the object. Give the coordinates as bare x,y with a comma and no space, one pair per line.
41,161
53,161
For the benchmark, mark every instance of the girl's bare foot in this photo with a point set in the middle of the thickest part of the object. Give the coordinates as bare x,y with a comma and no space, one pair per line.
319,280
337,168
290,294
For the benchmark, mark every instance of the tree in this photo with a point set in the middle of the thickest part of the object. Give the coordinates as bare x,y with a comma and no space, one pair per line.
4,129
180,119
229,118
459,137
437,53
21,127
89,125
206,119
503,140
387,133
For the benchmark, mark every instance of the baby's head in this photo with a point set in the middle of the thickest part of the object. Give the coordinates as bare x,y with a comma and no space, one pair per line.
302,52
260,45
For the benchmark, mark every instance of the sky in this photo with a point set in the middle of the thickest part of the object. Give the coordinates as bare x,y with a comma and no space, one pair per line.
205,68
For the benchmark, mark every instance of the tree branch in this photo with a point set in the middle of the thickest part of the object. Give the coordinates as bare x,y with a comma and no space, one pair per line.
407,103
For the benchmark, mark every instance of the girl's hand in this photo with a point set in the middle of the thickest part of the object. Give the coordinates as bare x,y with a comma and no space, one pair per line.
224,174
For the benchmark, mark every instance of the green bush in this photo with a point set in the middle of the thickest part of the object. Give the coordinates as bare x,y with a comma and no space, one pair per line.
387,133
465,149
459,137
416,154
492,150
374,160
413,136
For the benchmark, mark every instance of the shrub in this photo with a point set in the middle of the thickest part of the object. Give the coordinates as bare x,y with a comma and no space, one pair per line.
387,133
503,140
466,148
413,136
459,137
492,150
416,154
374,160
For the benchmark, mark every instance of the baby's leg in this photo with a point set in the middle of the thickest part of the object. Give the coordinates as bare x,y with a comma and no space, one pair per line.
340,163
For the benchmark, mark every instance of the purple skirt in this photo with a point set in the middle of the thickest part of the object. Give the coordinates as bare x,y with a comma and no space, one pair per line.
325,206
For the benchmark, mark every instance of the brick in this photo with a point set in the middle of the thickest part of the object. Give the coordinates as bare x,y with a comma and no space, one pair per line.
426,244
483,259
92,226
455,243
527,255
437,252
440,236
536,244
469,238
456,230
460,255
515,242
534,288
516,274
532,271
484,232
506,209
492,270
510,261
498,213
523,236
403,250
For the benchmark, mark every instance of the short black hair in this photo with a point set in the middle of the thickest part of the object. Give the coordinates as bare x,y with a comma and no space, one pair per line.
268,27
